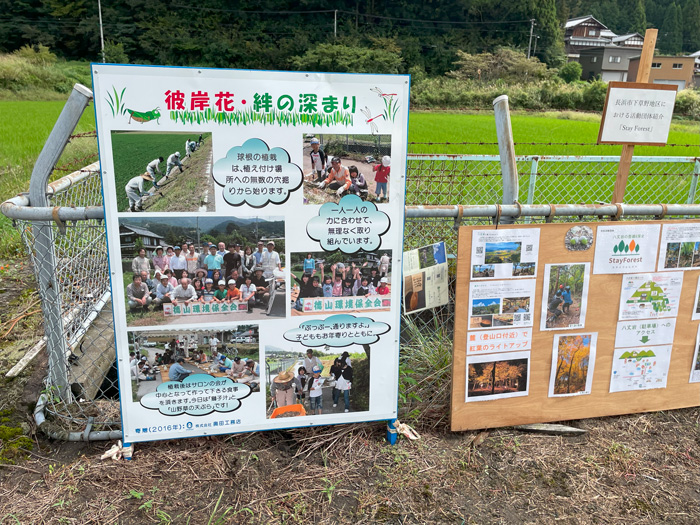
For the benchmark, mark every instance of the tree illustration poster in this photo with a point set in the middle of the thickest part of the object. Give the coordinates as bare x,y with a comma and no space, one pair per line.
650,295
248,168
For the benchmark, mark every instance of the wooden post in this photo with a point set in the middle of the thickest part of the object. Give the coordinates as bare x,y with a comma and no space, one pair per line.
623,170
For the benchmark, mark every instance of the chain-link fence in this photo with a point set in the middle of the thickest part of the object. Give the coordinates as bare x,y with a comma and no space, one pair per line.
81,395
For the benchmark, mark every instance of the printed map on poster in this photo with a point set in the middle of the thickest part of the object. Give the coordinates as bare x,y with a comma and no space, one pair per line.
234,231
502,254
425,278
650,295
680,247
501,304
650,332
641,368
626,248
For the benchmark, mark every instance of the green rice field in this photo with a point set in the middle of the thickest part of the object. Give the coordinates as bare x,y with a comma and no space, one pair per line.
25,125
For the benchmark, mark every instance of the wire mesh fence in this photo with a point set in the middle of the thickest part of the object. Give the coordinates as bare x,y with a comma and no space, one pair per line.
82,386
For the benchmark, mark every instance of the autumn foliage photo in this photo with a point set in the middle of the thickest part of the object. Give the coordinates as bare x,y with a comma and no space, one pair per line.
501,378
573,359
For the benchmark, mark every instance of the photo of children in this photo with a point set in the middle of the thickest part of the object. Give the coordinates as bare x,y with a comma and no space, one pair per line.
318,381
159,356
163,172
337,165
334,282
202,269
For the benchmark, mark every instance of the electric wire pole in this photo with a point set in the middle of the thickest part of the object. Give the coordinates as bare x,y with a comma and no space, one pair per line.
532,29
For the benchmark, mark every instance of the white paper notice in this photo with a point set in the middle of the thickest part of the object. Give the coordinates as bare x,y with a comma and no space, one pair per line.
573,362
425,281
646,332
640,368
696,305
501,304
626,248
497,376
695,367
650,295
508,340
680,247
502,254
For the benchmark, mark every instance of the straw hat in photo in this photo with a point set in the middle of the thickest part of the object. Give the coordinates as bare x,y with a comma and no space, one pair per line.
284,377
147,176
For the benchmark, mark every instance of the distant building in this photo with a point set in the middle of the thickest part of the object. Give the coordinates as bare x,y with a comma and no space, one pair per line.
676,71
585,32
610,62
129,234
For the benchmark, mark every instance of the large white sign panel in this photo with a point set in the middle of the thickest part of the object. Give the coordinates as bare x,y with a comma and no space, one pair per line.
624,248
303,251
637,114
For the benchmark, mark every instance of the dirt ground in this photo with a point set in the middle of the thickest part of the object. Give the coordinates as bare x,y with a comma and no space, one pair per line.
313,195
640,468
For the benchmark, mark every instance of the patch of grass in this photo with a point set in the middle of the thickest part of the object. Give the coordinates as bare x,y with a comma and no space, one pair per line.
24,128
441,127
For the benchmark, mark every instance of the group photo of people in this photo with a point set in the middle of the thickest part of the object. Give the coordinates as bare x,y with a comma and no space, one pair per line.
163,172
338,165
324,282
159,356
318,381
230,273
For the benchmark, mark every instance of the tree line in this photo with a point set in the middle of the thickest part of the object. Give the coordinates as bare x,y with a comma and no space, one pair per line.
395,36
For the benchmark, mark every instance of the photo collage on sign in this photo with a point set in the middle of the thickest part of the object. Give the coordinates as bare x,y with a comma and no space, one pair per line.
255,242
500,310
425,278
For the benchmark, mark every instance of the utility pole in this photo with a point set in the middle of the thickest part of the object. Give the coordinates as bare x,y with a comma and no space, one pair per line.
534,52
529,44
102,33
335,24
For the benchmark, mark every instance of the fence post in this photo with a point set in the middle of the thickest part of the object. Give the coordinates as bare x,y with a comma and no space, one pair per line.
506,150
534,166
694,182
45,257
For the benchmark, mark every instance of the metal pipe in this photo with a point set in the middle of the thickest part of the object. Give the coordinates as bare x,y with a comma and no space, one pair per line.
45,257
545,210
64,435
18,208
65,182
506,150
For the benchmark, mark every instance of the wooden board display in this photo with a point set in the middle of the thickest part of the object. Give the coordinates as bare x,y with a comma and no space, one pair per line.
604,291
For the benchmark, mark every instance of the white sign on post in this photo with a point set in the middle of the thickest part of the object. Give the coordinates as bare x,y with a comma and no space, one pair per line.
235,171
637,113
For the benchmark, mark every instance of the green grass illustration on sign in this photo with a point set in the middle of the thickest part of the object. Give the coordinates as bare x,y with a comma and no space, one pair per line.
248,116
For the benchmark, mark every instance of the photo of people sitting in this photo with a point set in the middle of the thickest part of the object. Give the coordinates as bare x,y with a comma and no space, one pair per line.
159,356
225,274
323,282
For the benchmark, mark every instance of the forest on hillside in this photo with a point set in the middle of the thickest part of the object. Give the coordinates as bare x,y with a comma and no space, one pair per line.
393,36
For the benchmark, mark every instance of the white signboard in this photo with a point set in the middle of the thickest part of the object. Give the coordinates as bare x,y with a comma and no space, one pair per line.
502,254
637,114
501,304
304,254
622,248
650,295
645,332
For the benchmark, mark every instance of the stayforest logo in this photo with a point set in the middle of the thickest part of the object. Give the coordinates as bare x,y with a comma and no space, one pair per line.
623,248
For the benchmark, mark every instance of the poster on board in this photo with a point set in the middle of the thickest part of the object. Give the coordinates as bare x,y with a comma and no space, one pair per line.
680,247
502,254
650,295
425,278
695,365
216,180
565,296
498,376
501,304
623,248
573,363
644,368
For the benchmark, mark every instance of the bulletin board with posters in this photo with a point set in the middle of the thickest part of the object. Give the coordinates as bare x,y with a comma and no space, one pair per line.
567,321
195,156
